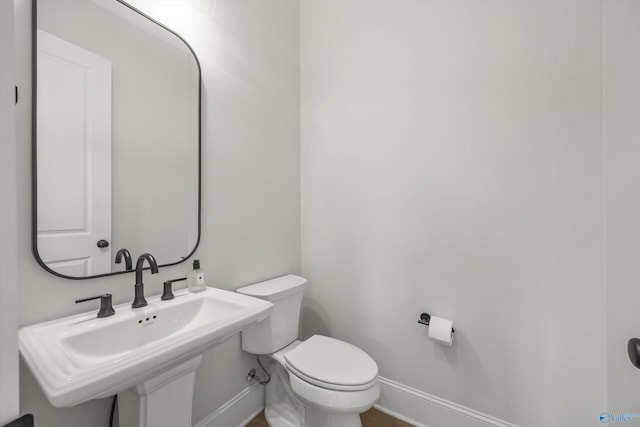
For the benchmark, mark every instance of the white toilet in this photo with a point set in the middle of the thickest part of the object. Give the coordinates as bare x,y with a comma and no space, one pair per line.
320,382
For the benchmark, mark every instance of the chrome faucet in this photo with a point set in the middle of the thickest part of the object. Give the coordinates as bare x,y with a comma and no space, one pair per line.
138,300
128,265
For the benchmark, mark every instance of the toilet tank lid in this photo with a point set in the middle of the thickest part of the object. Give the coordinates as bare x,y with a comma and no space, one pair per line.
275,289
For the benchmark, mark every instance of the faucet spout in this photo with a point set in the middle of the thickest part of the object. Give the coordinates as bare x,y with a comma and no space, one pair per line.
138,300
153,265
124,252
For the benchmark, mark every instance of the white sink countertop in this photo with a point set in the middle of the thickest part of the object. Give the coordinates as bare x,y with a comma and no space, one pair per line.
81,357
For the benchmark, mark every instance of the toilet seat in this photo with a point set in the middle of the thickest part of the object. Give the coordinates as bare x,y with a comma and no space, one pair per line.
332,364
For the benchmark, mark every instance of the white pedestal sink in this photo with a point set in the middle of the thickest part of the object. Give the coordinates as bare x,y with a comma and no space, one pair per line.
148,356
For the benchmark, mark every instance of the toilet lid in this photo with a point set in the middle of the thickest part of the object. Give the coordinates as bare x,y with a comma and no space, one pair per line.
330,362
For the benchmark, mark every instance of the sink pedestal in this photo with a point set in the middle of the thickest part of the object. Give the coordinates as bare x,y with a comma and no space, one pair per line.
162,401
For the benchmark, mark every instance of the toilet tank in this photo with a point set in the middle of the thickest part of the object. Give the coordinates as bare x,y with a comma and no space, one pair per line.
280,328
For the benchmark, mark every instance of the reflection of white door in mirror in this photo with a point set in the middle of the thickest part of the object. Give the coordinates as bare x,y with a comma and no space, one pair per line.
74,157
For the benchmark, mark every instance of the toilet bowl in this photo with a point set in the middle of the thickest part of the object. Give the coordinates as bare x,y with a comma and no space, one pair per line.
319,382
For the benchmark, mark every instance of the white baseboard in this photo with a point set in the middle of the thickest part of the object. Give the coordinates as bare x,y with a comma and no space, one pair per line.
405,403
425,410
238,411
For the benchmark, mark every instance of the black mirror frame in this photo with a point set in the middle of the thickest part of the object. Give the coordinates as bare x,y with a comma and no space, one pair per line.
34,145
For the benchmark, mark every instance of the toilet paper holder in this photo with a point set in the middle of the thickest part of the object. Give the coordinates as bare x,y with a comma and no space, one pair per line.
425,318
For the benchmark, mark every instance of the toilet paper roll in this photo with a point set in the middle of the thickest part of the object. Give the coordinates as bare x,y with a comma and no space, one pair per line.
440,330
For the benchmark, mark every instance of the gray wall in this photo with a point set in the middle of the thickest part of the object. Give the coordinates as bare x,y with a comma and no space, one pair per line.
622,153
251,196
452,163
9,403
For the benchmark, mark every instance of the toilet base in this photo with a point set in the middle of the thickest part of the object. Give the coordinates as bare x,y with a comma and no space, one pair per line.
279,415
284,409
314,418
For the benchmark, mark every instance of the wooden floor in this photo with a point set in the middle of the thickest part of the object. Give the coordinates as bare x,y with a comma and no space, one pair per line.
371,418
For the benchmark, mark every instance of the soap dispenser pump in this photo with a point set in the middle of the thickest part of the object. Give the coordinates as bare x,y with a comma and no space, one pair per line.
195,279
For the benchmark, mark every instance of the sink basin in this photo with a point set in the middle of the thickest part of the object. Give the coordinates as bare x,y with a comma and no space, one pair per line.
81,357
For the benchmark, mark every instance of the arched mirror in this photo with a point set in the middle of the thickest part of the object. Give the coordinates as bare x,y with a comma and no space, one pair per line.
116,138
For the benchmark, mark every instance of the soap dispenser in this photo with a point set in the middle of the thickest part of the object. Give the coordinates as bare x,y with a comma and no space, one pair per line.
195,279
